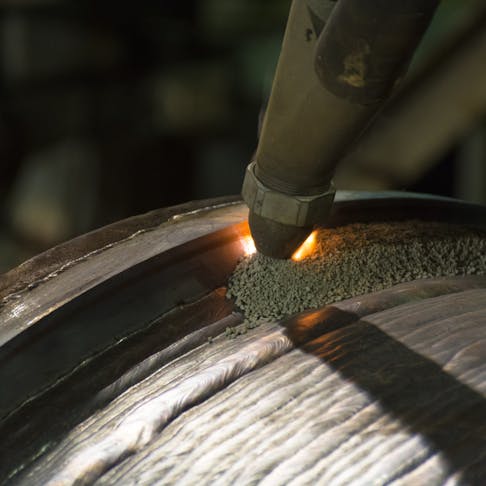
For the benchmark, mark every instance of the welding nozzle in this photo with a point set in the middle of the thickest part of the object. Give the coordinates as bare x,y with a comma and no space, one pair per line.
280,222
338,65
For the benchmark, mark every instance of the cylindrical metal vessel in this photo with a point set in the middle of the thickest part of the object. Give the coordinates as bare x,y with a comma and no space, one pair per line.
114,366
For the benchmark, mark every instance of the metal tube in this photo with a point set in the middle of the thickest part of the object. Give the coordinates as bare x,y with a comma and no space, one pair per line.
325,92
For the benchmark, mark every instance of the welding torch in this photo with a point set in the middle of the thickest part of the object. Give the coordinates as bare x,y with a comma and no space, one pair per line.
340,61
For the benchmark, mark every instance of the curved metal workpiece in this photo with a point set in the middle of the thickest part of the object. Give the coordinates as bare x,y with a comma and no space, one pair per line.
350,394
49,264
107,372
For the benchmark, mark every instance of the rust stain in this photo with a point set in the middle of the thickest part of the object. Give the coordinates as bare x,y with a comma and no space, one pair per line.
355,66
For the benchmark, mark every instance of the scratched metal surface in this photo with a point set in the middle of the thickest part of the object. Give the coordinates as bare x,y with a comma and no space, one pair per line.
112,343
389,391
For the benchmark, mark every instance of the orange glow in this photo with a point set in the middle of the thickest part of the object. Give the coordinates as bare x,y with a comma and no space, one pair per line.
306,248
246,240
248,245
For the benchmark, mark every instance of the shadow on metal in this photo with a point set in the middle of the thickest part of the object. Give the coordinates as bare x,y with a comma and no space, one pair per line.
427,400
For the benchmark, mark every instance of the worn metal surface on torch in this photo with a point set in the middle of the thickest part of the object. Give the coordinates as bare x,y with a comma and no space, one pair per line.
338,65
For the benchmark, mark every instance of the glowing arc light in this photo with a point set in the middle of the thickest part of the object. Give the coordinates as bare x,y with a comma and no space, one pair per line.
248,244
306,249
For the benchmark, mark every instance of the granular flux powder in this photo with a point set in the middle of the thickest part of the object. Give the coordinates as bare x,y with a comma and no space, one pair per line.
353,260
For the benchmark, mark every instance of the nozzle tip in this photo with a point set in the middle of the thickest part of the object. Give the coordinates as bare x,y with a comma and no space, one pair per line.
276,240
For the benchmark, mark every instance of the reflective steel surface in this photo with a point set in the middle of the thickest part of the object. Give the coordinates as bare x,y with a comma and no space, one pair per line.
115,368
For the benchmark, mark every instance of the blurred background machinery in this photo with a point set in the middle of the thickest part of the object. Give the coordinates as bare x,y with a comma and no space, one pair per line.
110,109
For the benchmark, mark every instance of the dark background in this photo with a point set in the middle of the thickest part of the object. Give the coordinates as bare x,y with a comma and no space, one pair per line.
110,109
